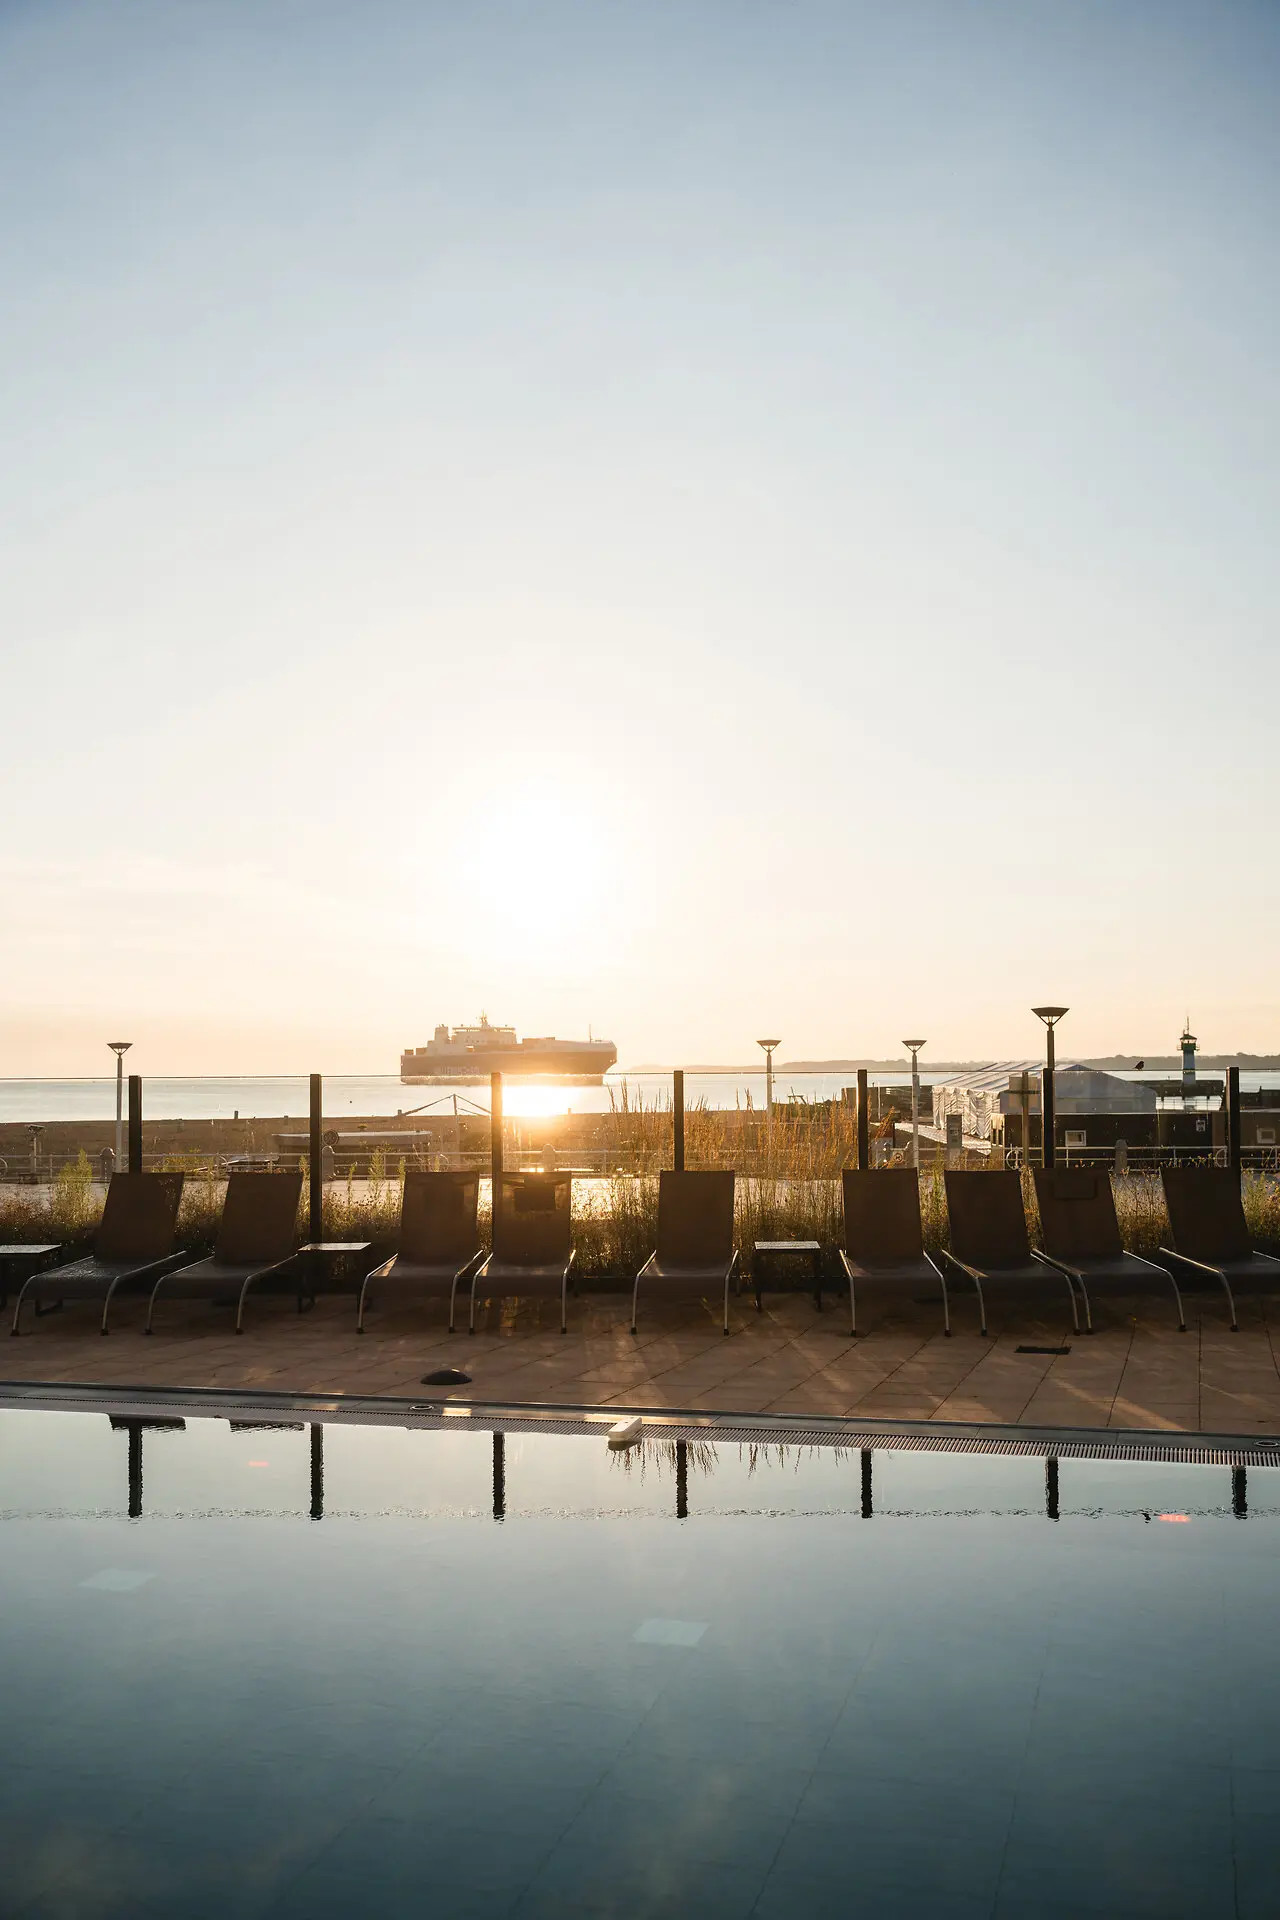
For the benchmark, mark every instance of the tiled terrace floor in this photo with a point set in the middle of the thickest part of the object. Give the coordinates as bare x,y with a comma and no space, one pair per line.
790,1359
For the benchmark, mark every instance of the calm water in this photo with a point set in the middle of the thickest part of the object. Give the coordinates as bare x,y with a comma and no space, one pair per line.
358,1671
368,1094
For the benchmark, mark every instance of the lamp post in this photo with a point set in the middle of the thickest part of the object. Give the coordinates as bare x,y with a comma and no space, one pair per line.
768,1046
913,1048
119,1048
1048,1143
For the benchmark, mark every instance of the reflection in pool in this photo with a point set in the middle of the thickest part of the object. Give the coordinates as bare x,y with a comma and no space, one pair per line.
294,1667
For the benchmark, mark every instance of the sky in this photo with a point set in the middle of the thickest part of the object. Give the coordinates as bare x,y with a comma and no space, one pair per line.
691,519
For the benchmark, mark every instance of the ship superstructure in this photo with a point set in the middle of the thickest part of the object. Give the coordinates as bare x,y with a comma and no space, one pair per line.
473,1053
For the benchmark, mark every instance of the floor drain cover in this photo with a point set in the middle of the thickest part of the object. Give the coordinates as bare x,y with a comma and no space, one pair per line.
447,1377
1023,1350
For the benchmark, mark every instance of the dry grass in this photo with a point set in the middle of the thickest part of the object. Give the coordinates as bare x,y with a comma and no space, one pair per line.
788,1188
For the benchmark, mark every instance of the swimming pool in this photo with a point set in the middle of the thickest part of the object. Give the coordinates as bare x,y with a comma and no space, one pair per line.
307,1665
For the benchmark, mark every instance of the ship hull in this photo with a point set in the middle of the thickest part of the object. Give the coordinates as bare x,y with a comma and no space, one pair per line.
575,1066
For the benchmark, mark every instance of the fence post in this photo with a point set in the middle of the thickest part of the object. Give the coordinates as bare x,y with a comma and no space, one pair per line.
315,1169
135,1123
864,1122
677,1115
495,1135
1233,1118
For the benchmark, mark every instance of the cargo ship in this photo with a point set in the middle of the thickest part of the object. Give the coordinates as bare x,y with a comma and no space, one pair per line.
473,1053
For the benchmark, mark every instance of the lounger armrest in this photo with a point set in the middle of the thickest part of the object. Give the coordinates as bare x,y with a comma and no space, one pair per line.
961,1266
1059,1266
380,1273
1185,1260
573,1254
648,1263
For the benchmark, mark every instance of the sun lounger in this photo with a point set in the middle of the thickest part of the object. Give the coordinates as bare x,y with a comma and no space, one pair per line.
133,1244
989,1242
1211,1239
532,1253
439,1241
695,1257
884,1251
1082,1237
257,1237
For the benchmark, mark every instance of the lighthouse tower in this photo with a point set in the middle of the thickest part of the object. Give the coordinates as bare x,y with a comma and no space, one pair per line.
1188,1043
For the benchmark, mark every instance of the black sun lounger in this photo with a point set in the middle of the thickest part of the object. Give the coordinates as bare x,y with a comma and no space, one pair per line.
695,1257
439,1240
883,1253
990,1246
1082,1237
133,1244
256,1237
1211,1238
532,1253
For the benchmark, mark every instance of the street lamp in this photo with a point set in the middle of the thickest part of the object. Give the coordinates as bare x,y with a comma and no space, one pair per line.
119,1048
1048,1144
768,1046
913,1048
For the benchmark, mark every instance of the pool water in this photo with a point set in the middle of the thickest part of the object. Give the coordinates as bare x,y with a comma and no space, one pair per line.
318,1670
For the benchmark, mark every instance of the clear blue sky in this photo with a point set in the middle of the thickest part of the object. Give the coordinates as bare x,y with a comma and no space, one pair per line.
694,518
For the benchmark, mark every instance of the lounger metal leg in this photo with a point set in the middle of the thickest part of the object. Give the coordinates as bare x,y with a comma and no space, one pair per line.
360,1308
982,1308
1075,1311
1088,1310
1182,1312
1226,1288
240,1304
727,1279
151,1302
635,1295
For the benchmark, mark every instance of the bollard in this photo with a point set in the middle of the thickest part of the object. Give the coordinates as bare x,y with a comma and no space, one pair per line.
864,1121
315,1168
677,1114
135,1123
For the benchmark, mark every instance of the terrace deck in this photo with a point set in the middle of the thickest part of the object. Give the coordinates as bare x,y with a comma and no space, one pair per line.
789,1359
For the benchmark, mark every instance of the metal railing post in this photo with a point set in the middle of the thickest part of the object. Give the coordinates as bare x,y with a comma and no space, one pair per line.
495,1135
135,1123
1233,1118
315,1171
677,1114
864,1121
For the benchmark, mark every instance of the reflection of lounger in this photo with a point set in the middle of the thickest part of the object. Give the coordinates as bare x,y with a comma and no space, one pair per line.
695,1257
1211,1239
439,1241
883,1250
989,1242
531,1254
132,1245
257,1236
1082,1238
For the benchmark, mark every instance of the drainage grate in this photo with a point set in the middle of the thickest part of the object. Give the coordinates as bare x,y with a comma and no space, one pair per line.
244,1409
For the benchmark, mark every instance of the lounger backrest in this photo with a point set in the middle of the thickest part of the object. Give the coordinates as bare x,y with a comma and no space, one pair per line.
988,1226
882,1215
1206,1213
438,1218
259,1224
531,1222
695,1219
140,1217
1078,1213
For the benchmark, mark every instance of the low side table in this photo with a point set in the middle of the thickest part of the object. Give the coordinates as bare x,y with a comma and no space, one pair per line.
778,1252
331,1266
18,1263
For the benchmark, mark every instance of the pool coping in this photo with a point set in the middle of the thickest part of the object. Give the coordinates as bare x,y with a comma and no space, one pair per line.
658,1423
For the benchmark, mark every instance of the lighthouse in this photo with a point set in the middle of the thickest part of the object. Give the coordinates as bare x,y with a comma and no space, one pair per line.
1188,1043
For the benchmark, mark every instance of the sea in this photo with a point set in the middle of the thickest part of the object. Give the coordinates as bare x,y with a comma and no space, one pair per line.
286,1096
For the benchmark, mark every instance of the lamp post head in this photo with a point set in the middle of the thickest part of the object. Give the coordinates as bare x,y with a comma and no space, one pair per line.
1050,1015
119,1047
914,1046
768,1045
